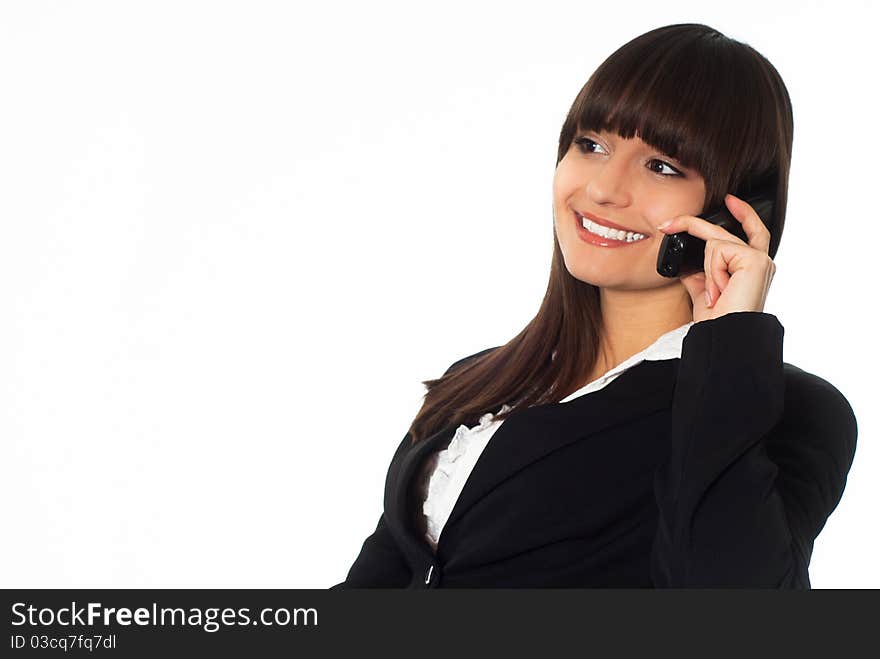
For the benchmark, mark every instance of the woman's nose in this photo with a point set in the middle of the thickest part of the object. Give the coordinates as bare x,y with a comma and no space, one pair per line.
609,183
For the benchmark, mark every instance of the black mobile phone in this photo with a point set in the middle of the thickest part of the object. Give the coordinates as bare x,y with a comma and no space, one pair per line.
683,254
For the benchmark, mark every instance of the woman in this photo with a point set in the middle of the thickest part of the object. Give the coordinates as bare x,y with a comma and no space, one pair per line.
646,432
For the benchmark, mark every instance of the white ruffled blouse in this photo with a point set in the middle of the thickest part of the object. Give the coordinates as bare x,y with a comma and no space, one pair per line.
446,471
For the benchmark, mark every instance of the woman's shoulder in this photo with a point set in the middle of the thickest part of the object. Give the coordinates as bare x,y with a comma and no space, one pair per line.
807,387
464,360
813,403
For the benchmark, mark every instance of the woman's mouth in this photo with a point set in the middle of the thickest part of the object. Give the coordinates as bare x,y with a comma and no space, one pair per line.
596,234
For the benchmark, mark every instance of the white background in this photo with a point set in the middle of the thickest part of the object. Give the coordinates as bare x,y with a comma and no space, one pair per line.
236,236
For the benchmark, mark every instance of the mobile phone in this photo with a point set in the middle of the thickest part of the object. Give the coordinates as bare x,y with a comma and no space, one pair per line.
683,254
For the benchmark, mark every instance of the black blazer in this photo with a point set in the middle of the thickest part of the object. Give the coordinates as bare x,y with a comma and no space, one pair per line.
716,469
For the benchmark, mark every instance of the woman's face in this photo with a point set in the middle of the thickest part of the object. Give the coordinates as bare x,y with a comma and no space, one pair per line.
630,184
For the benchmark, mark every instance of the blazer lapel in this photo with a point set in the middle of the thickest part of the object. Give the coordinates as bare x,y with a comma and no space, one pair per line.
400,479
535,432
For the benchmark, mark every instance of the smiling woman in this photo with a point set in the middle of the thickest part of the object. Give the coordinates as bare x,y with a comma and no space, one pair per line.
633,433
659,130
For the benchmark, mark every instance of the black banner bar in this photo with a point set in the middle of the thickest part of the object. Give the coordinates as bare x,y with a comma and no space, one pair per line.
516,622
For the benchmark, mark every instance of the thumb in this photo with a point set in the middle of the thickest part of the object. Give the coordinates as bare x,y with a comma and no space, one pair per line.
696,287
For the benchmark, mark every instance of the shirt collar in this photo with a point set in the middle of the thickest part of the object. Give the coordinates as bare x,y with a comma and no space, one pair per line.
666,346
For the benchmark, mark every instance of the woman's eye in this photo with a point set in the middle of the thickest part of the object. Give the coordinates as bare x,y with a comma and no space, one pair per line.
672,170
586,145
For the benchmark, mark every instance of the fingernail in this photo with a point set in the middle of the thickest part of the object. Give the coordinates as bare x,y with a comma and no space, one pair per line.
665,224
708,299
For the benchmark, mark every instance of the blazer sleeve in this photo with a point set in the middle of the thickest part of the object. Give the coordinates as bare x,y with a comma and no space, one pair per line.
380,563
757,464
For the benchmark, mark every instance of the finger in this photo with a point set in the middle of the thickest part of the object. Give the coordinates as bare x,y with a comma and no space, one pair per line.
756,231
695,284
718,265
707,268
697,226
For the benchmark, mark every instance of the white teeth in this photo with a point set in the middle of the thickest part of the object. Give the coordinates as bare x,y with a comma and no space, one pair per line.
614,234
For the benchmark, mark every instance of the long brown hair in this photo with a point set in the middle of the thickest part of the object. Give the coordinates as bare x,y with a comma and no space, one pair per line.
715,104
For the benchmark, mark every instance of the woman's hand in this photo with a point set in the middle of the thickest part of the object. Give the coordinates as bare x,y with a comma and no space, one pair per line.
737,275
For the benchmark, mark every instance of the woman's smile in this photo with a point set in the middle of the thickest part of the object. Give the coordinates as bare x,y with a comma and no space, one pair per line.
597,234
